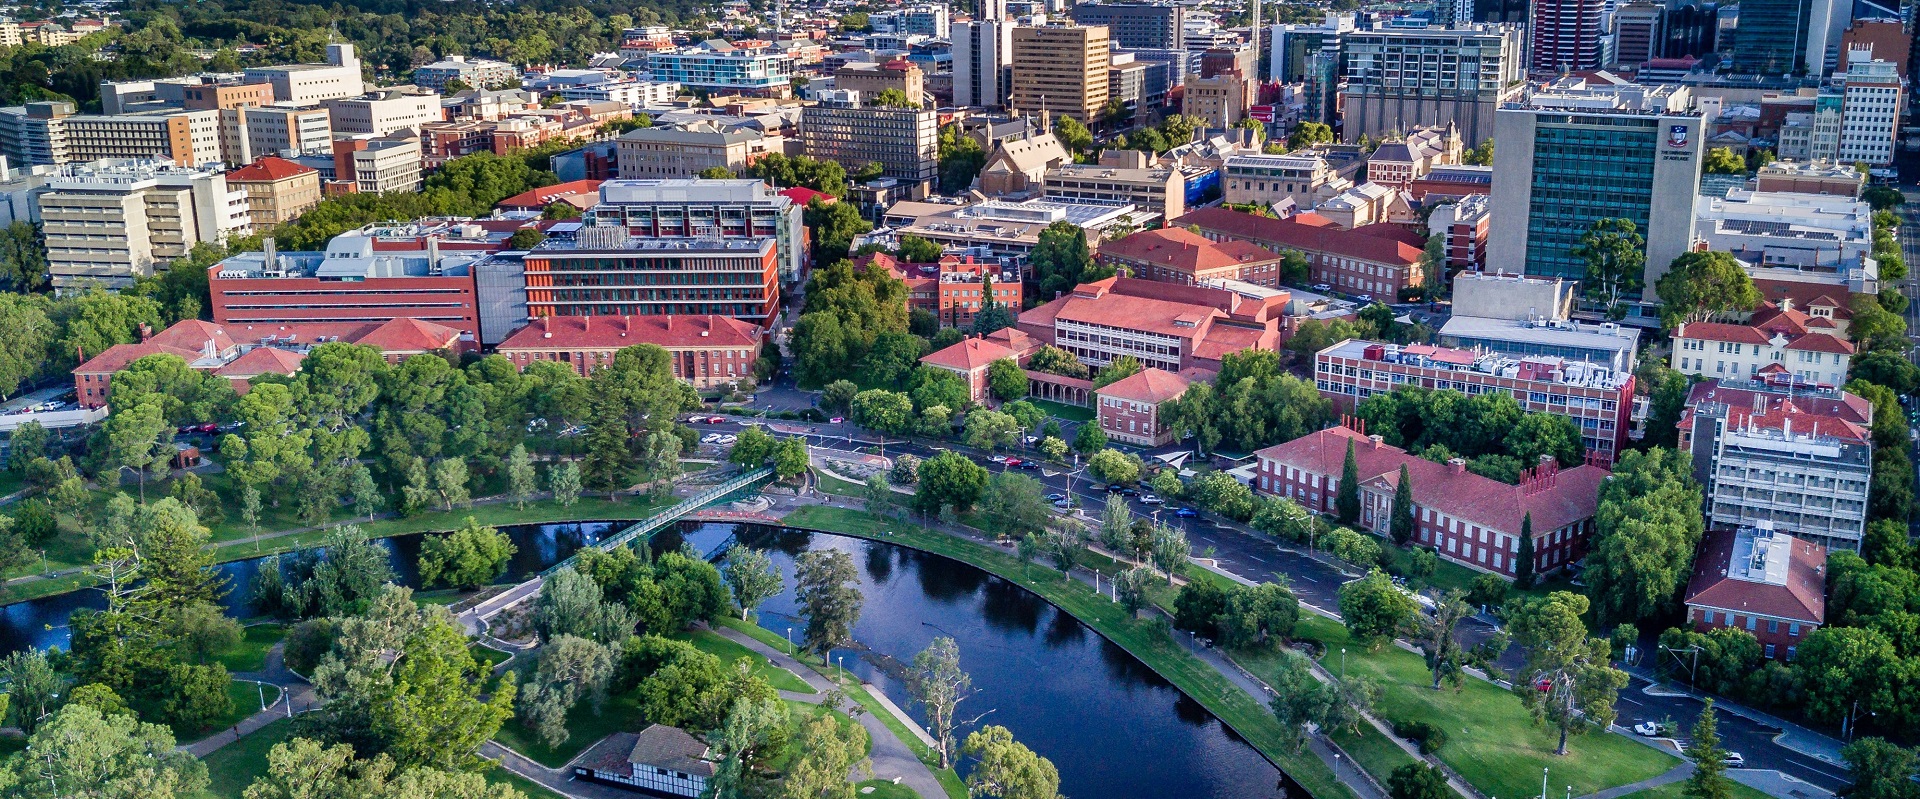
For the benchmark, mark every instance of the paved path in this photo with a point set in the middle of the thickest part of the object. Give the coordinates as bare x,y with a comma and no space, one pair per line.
1672,775
892,760
295,697
558,780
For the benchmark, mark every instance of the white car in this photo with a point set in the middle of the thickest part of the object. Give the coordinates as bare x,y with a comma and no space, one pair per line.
1734,760
710,438
1151,499
1647,728
729,439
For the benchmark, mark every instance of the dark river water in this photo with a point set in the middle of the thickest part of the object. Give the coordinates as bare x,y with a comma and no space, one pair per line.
1112,726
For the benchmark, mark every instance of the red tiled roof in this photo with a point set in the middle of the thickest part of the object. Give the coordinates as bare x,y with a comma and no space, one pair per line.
540,198
1150,385
968,355
1807,296
262,360
1771,320
410,336
802,195
1721,331
1186,251
269,169
1803,597
1570,498
1845,416
1821,342
614,332
1302,233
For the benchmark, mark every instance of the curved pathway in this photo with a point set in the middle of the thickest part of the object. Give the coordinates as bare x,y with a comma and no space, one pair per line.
295,697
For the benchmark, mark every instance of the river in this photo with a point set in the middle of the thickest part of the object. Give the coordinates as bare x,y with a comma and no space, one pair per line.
1110,724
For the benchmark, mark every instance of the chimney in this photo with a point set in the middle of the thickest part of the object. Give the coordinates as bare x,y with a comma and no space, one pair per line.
546,330
146,331
1376,441
1456,466
433,254
669,323
586,323
272,257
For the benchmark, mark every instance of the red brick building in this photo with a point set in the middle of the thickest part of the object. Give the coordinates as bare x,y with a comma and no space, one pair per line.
1378,260
708,351
1178,255
1767,583
1162,325
954,289
581,194
969,359
1465,518
1129,408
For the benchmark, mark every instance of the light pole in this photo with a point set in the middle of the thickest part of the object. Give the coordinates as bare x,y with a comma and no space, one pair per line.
1543,783
790,649
841,661
1343,677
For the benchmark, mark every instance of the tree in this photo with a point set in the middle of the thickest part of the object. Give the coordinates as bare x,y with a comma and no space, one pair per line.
1883,197
937,683
949,479
1524,559
1374,608
752,577
838,396
1013,506
193,696
1088,439
1418,781
569,669
1007,769
1881,770
790,458
450,481
1062,259
1615,257
828,590
525,238
961,159
138,438
1259,615
1647,525
1131,587
1699,286
81,752
1567,680
829,751
1073,134
883,411
1444,655
564,482
991,430
1722,161
1006,380
33,688
522,481
1053,360
1114,467
1402,524
467,558
1346,501
1709,778
1481,155
753,731
1309,133
833,226
1170,550
1121,368
366,493
572,603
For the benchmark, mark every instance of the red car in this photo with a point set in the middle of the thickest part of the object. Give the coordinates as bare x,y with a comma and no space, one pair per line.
1013,461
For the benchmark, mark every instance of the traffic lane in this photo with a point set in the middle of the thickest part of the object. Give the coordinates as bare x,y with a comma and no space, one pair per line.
1750,738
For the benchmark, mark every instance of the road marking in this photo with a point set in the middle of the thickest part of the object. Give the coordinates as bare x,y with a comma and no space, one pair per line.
1258,558
1815,769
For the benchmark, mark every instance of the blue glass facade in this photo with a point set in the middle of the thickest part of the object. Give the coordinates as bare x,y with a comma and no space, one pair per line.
1586,168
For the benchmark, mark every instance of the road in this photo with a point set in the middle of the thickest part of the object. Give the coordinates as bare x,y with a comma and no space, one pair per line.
1243,552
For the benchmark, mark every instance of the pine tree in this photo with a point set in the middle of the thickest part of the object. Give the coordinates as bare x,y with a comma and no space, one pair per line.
1709,779
1523,562
1346,503
1403,512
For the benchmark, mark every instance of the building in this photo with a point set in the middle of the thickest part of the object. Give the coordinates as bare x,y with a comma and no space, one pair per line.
1786,37
311,83
1638,36
707,351
1874,99
287,131
1177,255
1769,451
371,164
1129,408
687,150
605,270
476,73
1137,26
844,128
970,358
723,69
1883,39
1579,153
982,55
1468,519
385,111
50,133
1121,176
922,20
1367,204
582,195
1465,224
110,222
1012,229
278,191
1061,70
1818,236
375,274
1020,166
1164,326
1463,75
955,288
869,78
1598,398
1399,162
1301,181
1292,46
242,352
1373,261
1220,101
1810,177
1770,584
731,210
1778,340
658,759
1568,36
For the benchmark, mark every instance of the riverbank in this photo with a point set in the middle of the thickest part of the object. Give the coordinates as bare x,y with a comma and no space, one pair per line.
1142,638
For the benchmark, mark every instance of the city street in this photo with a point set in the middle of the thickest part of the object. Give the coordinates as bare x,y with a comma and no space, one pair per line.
1241,551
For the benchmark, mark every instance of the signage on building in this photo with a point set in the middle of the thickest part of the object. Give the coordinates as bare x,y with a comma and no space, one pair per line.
1264,113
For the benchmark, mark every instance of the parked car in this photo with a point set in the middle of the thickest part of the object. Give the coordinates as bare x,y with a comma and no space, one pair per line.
710,438
1063,503
1734,760
1013,462
716,419
1364,299
837,419
1029,465
1151,499
696,419
1056,497
1322,288
1647,728
998,459
1129,491
1185,512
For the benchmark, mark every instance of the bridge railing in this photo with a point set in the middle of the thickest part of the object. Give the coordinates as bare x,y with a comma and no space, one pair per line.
647,526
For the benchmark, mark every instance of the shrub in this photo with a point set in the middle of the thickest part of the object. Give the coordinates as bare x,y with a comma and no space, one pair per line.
1428,735
308,642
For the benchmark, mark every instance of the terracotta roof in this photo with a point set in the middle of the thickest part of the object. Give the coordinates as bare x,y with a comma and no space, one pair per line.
1380,246
1224,339
1802,597
1721,331
260,361
968,354
1770,321
1185,251
269,169
614,332
1836,413
540,198
1571,496
410,336
1150,385
802,195
1807,295
1821,342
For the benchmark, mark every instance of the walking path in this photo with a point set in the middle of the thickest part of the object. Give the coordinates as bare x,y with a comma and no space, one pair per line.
1672,775
295,697
892,760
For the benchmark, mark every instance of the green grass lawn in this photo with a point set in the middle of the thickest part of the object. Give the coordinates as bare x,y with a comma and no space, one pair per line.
834,485
1072,413
620,714
246,702
499,775
487,656
441,596
251,654
1492,740
233,767
1247,715
1677,790
727,651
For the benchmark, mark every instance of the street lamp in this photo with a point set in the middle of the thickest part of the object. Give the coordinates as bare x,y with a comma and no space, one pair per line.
1543,783
1343,664
789,640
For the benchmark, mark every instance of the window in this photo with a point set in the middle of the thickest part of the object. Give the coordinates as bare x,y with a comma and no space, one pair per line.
1793,629
1769,650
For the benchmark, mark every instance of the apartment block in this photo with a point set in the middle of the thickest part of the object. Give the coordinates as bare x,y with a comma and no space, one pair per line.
1465,224
371,164
287,131
1771,452
732,210
982,54
312,83
476,73
1874,98
109,222
1397,79
843,127
1569,36
1061,70
277,190
685,151
721,68
603,270
51,133
1138,26
384,111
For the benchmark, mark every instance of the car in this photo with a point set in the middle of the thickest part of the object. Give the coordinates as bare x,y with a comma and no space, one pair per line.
1032,440
998,459
1013,461
1128,491
696,419
1056,497
1028,465
1364,299
1647,728
209,427
710,438
836,420
716,419
1063,503
1322,288
1185,513
1151,499
1734,760
1111,488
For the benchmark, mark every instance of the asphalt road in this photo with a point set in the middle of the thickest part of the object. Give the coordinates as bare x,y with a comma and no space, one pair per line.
1251,555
